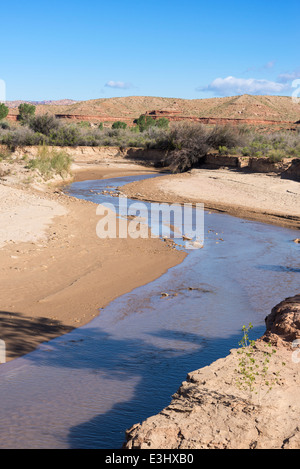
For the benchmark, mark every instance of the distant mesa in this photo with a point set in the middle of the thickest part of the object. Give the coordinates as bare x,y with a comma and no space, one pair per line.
59,102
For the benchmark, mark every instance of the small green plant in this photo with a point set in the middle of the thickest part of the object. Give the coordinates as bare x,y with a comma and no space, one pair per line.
223,151
253,370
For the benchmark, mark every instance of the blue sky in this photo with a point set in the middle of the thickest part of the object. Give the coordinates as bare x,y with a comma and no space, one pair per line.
192,49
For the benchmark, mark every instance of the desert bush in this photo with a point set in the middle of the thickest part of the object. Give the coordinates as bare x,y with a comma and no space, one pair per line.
21,137
44,124
65,136
50,162
275,146
4,125
276,155
224,136
187,145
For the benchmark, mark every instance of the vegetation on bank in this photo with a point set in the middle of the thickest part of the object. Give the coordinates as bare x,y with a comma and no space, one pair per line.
51,162
190,143
185,143
47,130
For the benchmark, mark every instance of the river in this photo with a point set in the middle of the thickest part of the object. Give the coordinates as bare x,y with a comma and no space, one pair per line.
84,389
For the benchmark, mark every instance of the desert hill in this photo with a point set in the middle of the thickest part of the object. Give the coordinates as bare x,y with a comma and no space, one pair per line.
273,108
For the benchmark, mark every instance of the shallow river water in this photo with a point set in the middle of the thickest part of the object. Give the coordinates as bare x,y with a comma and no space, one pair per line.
84,389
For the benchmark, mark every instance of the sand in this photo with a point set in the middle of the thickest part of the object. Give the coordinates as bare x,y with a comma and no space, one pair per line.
256,196
55,272
24,216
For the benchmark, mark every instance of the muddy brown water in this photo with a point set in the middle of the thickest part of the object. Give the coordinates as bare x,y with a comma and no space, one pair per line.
83,390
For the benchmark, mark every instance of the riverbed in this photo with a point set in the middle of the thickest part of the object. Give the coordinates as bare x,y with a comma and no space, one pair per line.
84,389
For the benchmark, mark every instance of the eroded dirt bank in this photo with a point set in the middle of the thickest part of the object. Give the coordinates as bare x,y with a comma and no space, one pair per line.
211,411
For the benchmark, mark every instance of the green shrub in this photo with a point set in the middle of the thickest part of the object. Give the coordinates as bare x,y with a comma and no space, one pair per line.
119,125
144,122
276,155
20,137
26,111
3,111
65,136
44,124
135,129
162,123
51,162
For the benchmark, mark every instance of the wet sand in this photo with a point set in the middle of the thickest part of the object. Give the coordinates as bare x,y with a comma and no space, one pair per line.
55,276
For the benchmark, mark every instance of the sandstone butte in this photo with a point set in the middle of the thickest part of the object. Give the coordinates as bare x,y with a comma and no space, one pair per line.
210,410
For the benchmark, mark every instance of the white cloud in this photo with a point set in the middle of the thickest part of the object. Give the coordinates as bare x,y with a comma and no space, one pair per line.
118,84
231,86
288,77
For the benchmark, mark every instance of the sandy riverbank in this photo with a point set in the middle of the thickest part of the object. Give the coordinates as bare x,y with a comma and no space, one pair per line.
256,196
55,272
